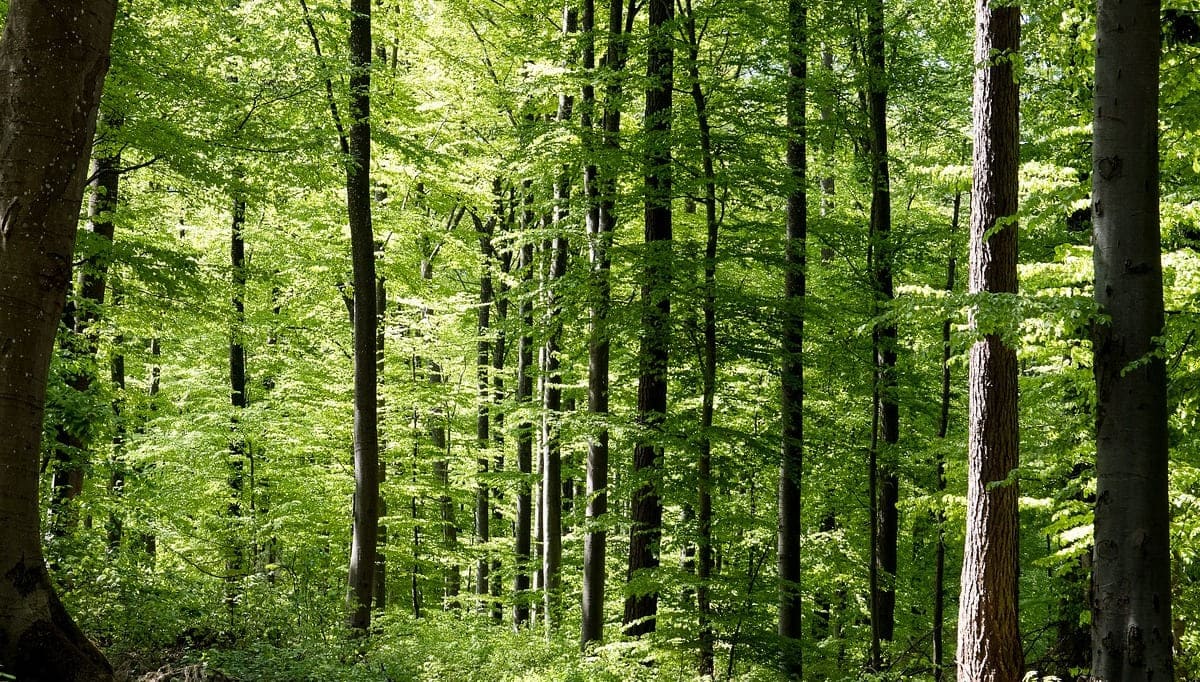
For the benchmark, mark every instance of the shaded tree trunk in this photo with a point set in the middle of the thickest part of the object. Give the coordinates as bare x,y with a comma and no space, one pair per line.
641,607
524,530
1131,579
483,436
50,96
989,644
791,470
239,447
365,532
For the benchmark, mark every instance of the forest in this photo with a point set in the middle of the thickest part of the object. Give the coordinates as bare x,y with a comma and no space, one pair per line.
575,340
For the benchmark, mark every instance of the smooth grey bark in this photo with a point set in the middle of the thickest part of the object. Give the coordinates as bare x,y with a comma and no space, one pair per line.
989,643
53,58
789,500
1131,569
641,607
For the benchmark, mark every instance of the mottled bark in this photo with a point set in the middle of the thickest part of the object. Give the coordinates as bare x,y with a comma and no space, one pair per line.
1131,579
989,644
641,608
53,57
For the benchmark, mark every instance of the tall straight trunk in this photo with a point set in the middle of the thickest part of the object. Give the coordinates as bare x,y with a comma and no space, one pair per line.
641,608
552,497
504,220
1131,579
381,305
939,562
483,438
49,96
791,469
989,644
235,559
600,188
883,597
365,531
704,483
71,453
116,481
524,539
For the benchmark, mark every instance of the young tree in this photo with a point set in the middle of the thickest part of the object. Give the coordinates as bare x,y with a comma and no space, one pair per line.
1131,579
989,644
50,96
792,371
641,608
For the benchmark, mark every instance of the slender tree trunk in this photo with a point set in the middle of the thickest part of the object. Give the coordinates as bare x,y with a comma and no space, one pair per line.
365,532
523,545
235,559
641,608
1131,579
50,96
600,188
708,391
504,220
381,306
939,562
883,598
483,436
792,370
989,644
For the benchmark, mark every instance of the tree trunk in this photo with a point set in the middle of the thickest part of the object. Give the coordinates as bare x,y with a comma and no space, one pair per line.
50,96
939,562
362,246
989,644
523,545
883,597
641,607
239,447
1131,579
483,438
381,305
601,223
791,470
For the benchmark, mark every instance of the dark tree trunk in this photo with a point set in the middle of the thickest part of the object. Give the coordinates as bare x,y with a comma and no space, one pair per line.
939,562
641,608
792,370
704,483
381,306
883,597
483,436
239,447
1131,579
523,545
989,644
504,220
50,96
600,187
365,533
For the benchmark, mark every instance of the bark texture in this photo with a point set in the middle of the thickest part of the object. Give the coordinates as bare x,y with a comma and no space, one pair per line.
53,58
1131,586
790,528
989,644
641,608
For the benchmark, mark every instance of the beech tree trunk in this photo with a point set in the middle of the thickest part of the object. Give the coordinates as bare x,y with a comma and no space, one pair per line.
239,448
365,531
1131,578
792,371
883,589
483,436
601,223
989,644
641,607
49,96
524,540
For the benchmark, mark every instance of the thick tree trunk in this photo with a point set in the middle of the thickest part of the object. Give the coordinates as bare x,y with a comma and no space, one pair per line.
365,532
883,597
641,607
791,470
1131,579
50,96
989,644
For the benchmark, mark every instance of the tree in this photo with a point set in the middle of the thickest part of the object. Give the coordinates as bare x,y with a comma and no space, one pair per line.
792,372
50,96
1131,579
641,607
989,644
365,533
